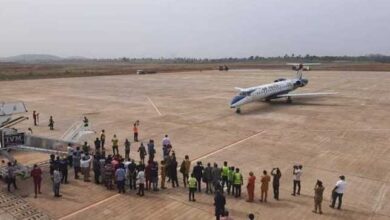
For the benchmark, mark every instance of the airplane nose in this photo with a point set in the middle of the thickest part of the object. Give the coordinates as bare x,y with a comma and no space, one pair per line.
235,100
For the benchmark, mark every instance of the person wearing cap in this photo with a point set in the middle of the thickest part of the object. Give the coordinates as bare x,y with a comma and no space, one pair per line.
318,192
338,192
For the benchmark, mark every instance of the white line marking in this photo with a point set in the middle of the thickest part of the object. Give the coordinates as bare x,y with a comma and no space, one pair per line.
155,107
230,145
88,207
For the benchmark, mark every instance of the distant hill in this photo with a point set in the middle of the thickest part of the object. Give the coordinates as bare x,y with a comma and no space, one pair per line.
31,58
38,58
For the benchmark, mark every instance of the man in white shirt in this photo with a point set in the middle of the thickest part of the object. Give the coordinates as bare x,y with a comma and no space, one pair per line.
141,182
85,164
297,173
338,192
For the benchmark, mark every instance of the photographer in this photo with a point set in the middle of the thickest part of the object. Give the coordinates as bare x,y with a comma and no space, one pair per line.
276,174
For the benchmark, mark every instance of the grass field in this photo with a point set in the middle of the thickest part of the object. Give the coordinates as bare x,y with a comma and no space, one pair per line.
17,71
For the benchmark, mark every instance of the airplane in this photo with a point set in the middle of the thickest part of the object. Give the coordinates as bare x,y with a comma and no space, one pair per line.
306,66
280,88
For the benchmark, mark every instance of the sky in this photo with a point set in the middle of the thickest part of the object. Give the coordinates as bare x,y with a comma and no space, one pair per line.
194,28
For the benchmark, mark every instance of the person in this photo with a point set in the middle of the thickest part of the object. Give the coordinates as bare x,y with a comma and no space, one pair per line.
96,168
224,174
70,155
216,174
166,141
102,138
57,182
76,164
191,187
297,173
97,144
85,147
173,173
11,176
85,120
198,173
35,117
141,182
30,131
238,182
338,192
251,216
230,180
265,179
163,174
135,130
185,169
115,145
120,177
142,152
318,192
251,187
85,164
108,174
51,123
154,175
208,178
276,174
219,203
132,174
36,174
127,149
148,175
151,150
64,170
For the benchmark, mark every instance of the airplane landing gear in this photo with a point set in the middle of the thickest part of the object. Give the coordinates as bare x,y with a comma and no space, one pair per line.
238,110
289,100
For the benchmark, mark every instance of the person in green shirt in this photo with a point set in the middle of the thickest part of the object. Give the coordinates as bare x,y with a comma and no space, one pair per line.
115,145
224,175
238,181
230,185
192,187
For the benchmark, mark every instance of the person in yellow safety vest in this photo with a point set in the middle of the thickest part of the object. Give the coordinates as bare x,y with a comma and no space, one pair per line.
224,175
238,181
192,187
230,184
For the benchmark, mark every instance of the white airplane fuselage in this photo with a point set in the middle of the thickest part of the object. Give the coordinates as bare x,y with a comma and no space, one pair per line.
266,91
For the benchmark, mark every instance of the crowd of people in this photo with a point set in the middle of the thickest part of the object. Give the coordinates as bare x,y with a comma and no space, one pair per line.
122,173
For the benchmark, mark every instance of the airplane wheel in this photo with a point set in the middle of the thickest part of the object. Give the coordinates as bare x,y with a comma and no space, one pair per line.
289,100
238,111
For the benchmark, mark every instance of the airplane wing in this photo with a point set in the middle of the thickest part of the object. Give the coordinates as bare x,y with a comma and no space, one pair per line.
306,94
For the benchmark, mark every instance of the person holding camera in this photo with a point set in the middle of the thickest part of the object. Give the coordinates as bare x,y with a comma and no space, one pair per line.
297,173
276,174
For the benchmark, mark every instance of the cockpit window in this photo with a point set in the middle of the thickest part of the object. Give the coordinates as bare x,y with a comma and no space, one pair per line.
246,93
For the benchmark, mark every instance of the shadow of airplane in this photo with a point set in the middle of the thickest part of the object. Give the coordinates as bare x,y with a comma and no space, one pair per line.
275,105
